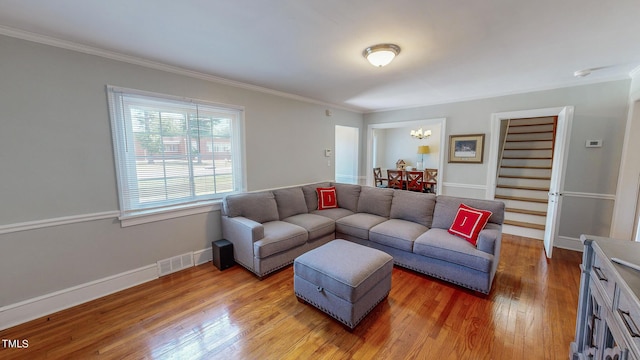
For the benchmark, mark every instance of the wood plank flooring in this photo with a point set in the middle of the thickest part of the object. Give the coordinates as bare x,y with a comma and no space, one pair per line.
203,313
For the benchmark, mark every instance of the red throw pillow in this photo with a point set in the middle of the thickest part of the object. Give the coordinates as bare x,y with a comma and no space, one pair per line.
469,222
327,198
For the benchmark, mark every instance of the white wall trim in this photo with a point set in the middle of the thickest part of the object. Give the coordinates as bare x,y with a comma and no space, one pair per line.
31,309
569,243
38,224
169,213
202,256
465,186
611,197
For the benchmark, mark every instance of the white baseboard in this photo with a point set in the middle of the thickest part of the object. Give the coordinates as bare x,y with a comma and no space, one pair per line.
202,256
569,243
31,309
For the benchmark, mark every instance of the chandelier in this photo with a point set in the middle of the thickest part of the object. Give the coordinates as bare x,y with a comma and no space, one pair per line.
420,134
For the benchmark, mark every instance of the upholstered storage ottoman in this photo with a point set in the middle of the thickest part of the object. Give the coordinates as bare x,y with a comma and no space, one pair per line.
343,279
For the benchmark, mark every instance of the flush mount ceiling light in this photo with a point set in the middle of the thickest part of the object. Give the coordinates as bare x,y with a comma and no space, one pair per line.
381,54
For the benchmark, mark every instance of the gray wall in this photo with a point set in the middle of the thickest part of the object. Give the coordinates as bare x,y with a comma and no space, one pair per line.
57,161
600,113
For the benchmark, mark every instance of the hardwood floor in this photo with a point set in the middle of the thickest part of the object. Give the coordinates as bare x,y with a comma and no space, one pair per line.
205,313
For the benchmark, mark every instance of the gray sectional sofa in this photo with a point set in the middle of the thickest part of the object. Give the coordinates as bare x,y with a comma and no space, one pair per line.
269,229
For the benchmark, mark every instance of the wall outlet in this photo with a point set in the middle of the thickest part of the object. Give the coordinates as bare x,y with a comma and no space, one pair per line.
327,152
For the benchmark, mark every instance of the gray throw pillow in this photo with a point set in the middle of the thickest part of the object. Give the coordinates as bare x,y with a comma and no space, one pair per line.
413,206
375,201
348,195
290,202
259,206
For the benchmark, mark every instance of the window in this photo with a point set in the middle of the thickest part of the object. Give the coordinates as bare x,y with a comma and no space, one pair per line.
173,152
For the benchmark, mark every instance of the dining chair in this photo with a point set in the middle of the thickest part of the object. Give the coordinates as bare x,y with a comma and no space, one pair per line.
379,180
415,181
431,179
395,179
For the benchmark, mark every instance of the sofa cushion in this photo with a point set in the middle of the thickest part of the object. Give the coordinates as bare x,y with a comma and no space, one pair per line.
348,195
375,201
327,198
334,214
469,222
439,244
311,195
447,207
259,206
412,206
358,224
316,225
279,236
290,202
397,233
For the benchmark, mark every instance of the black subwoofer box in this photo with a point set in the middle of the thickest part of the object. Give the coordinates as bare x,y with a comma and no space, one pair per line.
222,254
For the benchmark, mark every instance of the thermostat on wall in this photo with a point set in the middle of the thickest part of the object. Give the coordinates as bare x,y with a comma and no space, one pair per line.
594,143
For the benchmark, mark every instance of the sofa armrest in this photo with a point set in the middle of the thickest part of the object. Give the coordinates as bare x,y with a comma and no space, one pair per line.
489,240
242,233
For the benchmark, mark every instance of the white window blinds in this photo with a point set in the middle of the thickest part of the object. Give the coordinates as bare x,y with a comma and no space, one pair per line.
173,151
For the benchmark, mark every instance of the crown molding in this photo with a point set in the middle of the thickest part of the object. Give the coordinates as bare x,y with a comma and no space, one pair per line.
69,45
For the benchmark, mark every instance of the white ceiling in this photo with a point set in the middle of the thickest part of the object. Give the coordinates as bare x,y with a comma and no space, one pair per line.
451,50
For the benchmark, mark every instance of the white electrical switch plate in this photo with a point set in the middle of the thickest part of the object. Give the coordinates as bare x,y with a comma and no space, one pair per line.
594,143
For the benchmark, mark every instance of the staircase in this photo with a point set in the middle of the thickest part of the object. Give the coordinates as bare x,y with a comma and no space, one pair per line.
524,174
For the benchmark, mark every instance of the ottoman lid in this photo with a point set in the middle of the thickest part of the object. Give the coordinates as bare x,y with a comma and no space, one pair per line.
346,269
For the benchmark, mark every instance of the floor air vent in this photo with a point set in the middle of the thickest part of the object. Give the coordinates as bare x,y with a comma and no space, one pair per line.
176,263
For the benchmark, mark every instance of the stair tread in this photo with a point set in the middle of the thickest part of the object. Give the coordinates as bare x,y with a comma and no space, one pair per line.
525,177
528,149
526,167
531,132
524,224
535,124
517,187
528,140
526,211
527,158
520,198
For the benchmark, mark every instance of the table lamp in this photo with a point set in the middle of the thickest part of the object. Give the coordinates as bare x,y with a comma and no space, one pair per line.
423,149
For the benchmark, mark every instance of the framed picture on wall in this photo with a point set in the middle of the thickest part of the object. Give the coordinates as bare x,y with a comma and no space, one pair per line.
466,148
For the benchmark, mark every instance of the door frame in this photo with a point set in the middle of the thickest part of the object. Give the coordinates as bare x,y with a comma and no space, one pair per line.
559,166
398,124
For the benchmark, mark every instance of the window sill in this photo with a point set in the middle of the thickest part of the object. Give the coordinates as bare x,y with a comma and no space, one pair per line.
143,217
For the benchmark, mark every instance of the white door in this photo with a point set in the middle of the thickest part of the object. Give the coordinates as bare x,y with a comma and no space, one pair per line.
557,178
346,154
